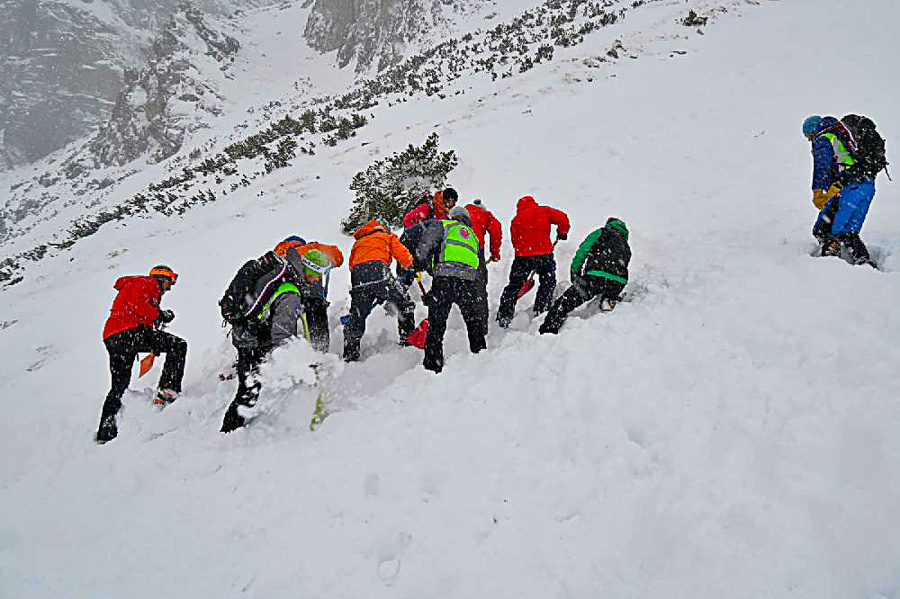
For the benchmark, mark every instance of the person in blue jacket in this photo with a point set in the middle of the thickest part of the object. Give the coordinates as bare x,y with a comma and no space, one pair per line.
841,192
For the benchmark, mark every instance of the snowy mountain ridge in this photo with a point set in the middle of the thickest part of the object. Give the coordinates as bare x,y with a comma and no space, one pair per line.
208,172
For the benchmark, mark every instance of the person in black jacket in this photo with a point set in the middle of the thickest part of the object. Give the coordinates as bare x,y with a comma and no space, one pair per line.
600,268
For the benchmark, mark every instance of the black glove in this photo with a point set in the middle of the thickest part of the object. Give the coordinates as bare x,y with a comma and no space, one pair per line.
562,236
165,316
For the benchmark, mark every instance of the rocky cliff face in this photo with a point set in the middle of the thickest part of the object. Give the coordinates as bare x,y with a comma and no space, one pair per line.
170,96
376,32
63,65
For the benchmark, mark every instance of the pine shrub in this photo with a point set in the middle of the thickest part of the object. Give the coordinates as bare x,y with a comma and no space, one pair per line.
385,188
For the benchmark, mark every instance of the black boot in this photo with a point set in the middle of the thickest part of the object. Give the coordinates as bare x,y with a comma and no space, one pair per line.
857,251
107,430
232,420
831,247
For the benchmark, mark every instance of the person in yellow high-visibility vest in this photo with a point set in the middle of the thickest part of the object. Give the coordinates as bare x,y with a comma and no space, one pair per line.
450,249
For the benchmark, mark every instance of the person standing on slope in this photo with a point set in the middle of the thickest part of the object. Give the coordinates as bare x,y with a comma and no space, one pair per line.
600,268
842,190
530,234
264,304
371,281
483,222
451,248
134,326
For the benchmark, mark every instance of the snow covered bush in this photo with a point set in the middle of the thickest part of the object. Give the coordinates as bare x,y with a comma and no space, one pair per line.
385,188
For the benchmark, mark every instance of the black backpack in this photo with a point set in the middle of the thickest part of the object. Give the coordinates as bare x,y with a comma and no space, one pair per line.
865,144
250,287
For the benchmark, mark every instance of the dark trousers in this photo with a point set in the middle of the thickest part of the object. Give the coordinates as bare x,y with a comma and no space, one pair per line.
472,302
584,289
522,267
317,319
249,386
123,348
363,298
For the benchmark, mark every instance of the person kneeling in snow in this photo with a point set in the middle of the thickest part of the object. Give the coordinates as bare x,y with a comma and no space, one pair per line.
600,268
264,303
134,326
451,248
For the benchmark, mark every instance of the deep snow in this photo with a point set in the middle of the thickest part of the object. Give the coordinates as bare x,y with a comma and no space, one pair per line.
729,432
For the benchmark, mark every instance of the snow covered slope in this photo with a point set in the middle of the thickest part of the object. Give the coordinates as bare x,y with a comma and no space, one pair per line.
729,432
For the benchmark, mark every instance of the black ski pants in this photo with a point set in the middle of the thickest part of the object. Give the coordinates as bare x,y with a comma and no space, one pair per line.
249,386
522,266
446,291
584,289
123,348
363,298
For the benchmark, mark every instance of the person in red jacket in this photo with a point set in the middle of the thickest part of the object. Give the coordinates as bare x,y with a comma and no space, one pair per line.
439,207
530,233
132,327
484,222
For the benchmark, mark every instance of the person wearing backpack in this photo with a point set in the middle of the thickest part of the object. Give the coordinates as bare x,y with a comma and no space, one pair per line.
599,269
426,208
846,160
452,252
371,282
134,325
318,260
417,218
264,304
530,234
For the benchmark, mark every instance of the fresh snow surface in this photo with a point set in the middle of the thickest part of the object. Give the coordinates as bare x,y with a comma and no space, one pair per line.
732,431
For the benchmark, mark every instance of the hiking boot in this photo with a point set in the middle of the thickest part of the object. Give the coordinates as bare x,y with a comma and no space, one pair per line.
503,321
107,430
831,248
232,420
164,397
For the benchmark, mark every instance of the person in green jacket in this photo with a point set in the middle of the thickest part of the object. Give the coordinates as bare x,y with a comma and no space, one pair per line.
600,268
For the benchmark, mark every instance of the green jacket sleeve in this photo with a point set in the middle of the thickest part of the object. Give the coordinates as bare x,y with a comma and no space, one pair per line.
583,251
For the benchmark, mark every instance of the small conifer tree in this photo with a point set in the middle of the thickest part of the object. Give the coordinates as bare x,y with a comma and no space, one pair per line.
385,188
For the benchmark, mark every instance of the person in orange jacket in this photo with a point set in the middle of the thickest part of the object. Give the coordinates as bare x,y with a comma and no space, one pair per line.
371,281
134,326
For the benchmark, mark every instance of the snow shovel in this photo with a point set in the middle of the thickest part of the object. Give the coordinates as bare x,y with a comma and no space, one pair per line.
419,334
529,282
146,364
417,337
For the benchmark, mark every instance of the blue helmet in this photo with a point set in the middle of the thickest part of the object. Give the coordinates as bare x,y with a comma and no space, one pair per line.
811,125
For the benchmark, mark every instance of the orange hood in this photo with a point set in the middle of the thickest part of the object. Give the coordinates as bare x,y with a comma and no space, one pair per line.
373,226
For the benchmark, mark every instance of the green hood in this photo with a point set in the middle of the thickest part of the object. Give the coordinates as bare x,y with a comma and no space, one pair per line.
618,225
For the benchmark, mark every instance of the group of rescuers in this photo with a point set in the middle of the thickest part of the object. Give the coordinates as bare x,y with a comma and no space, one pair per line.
283,293
271,297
